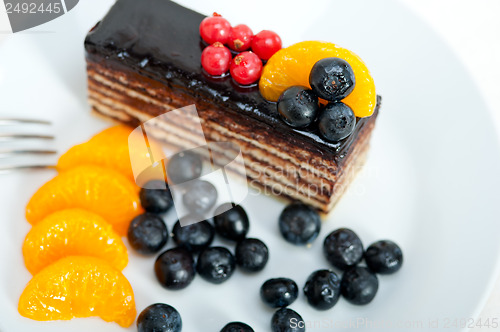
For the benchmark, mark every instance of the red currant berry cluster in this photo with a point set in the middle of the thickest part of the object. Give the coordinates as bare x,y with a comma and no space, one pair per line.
245,67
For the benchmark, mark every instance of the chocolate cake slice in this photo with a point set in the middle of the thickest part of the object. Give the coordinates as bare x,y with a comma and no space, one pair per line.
143,59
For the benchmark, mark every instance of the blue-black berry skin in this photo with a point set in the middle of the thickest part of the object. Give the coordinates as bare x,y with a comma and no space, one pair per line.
251,255
332,79
322,289
215,264
287,320
200,196
184,166
159,317
299,224
359,285
384,257
298,106
279,292
336,121
233,223
237,327
147,233
156,197
343,248
175,268
194,237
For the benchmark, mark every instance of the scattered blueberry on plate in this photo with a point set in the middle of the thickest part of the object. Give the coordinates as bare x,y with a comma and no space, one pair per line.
159,317
156,197
147,233
332,79
175,268
279,292
359,285
200,196
193,236
298,106
287,320
343,248
299,224
237,327
231,221
215,264
251,255
184,166
322,289
384,257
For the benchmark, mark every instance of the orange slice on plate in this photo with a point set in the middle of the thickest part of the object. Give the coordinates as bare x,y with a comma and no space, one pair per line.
77,287
292,65
100,190
72,232
113,148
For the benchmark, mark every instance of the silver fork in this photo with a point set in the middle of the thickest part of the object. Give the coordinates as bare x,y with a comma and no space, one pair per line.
11,137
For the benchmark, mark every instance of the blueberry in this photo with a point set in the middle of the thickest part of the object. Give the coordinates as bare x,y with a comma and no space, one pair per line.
343,248
215,264
299,223
251,255
359,285
193,237
287,320
336,121
279,292
157,198
322,289
200,196
184,166
384,257
233,223
236,327
147,233
159,317
174,268
332,79
298,106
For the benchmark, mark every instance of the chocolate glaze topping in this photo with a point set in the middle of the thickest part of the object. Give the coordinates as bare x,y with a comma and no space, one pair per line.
160,39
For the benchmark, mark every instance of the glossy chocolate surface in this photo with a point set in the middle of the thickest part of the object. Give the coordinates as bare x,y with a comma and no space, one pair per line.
160,39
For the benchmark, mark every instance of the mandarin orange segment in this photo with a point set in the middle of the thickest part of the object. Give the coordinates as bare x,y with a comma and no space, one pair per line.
100,190
72,232
292,65
79,286
114,148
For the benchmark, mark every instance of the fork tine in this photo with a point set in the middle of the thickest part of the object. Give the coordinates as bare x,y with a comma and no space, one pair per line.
12,137
6,153
9,169
8,122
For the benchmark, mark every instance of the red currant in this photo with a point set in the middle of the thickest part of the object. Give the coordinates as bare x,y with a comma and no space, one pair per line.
240,38
215,59
246,68
215,29
266,43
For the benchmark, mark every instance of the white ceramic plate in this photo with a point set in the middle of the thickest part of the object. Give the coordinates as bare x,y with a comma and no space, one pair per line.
431,182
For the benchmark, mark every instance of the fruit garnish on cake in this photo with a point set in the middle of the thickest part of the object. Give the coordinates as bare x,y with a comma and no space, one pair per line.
304,149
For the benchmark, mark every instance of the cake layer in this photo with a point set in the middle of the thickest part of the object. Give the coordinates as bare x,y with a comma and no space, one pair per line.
273,160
